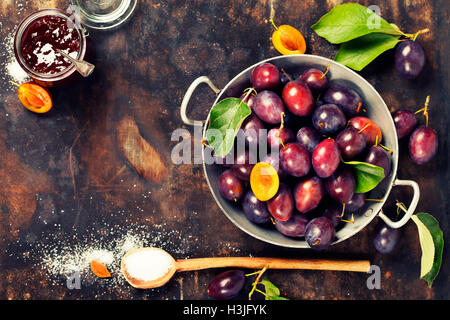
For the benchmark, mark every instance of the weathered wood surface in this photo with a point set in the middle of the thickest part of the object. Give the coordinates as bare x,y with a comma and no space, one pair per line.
143,70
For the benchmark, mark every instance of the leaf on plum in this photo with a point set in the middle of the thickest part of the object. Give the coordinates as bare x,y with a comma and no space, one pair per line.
432,245
225,120
358,53
367,175
349,21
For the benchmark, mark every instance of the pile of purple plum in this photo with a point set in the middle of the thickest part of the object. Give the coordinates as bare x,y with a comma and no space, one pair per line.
313,124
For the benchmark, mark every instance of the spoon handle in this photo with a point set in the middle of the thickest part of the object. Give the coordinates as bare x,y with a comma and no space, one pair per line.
83,67
274,263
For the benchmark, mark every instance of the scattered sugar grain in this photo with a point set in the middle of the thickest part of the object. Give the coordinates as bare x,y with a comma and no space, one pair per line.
12,71
100,255
15,72
61,256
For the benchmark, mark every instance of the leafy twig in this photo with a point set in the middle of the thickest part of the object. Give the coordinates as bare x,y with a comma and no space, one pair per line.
260,273
271,291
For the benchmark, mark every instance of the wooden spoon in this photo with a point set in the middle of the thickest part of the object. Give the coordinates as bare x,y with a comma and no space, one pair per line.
241,262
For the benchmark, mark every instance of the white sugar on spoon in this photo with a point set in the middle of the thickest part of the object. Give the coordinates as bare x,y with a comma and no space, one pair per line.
147,265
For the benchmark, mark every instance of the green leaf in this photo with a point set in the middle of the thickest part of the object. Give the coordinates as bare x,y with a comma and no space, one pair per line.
349,21
358,53
368,176
225,120
396,28
277,298
272,291
432,244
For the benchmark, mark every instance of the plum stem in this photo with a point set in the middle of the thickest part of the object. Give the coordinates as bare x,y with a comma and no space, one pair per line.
250,89
343,210
282,70
273,23
386,148
352,220
400,206
375,200
318,97
279,130
254,284
364,128
262,292
425,110
413,36
359,108
14,83
419,32
205,143
248,92
326,71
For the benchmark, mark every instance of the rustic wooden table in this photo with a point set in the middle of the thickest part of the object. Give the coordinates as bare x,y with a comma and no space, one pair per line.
66,188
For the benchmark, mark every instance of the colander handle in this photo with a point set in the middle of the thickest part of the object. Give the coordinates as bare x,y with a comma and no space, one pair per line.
412,206
187,98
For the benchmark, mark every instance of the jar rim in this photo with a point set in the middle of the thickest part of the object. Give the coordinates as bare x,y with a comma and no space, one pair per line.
18,42
97,21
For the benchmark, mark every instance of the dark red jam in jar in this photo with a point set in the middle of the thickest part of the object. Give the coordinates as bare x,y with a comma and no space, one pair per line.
40,40
37,39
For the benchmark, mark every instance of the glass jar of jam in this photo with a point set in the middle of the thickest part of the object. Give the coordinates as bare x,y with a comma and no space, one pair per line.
36,40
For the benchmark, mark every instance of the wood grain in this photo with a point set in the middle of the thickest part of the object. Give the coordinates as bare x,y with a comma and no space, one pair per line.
272,263
142,71
139,153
